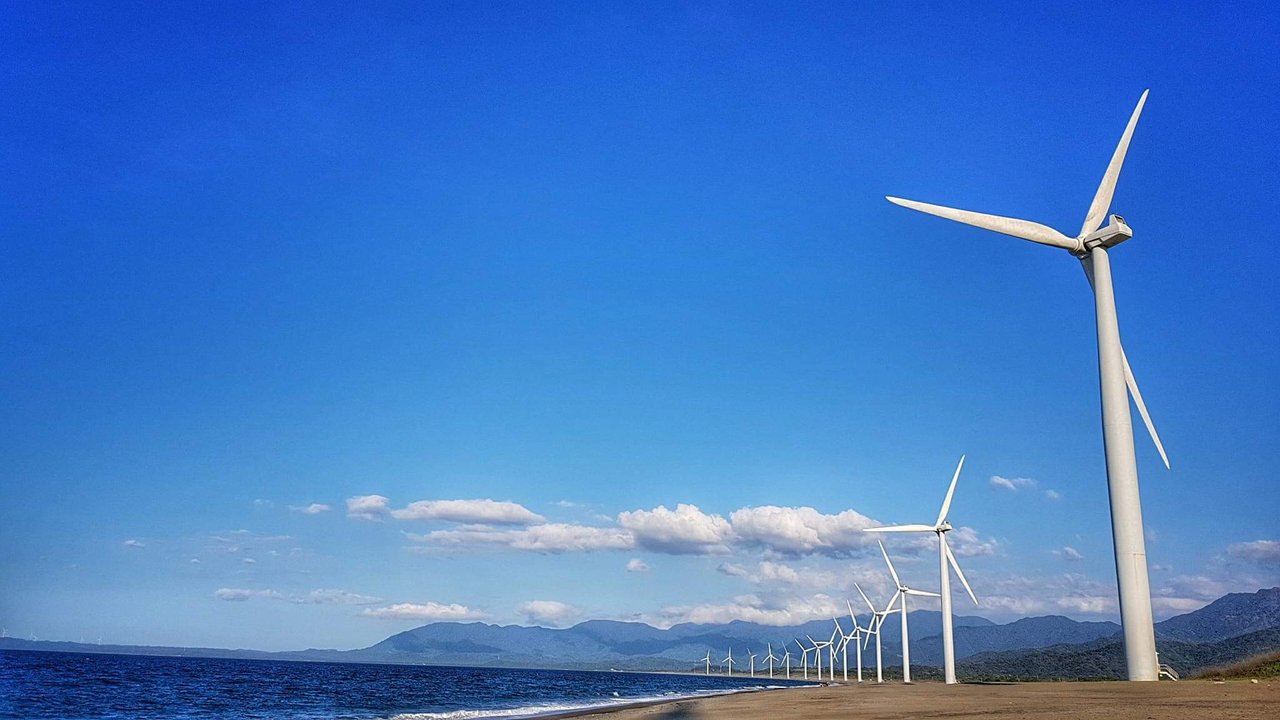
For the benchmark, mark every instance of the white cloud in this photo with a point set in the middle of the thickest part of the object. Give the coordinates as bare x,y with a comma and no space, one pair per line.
327,596
312,509
368,507
753,608
322,596
1012,484
1265,552
796,530
964,542
550,612
429,611
1053,494
1088,604
1069,554
683,531
637,565
241,594
732,570
548,538
485,512
1194,586
134,543
249,561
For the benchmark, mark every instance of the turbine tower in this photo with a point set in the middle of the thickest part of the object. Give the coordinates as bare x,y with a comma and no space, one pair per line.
901,597
771,658
941,527
707,660
804,658
753,662
1091,246
729,660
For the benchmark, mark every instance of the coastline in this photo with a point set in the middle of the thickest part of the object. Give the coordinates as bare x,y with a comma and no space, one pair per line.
1198,699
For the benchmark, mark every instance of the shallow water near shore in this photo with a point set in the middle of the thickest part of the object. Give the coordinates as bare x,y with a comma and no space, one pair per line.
72,686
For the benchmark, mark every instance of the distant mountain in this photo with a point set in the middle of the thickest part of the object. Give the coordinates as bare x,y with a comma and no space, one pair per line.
1036,632
1229,629
1228,616
1104,659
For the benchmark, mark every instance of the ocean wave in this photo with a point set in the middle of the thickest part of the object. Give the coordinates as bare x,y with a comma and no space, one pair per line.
536,711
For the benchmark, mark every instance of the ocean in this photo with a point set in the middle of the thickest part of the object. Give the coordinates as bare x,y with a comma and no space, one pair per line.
70,686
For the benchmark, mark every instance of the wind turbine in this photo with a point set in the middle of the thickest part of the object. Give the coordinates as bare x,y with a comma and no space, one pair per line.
729,660
817,652
786,657
771,658
804,658
1091,246
753,662
707,660
856,635
946,558
873,628
901,597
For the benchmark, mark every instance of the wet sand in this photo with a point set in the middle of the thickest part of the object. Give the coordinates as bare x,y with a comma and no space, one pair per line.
1187,700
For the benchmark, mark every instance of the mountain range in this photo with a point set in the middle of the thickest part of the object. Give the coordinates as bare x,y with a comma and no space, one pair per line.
1231,628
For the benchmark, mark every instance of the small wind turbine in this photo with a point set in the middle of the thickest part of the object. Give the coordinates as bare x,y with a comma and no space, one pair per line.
729,660
901,596
786,658
804,658
873,628
752,657
946,558
817,653
1091,246
856,636
771,658
707,660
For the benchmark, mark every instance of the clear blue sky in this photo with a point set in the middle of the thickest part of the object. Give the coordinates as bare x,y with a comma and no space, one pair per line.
272,275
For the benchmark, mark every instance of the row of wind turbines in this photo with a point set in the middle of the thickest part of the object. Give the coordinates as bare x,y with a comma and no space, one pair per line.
860,636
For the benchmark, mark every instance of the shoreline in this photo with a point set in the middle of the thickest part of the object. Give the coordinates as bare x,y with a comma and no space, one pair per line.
1115,700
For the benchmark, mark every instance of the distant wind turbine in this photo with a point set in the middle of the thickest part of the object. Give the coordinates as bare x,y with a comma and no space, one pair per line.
707,659
729,660
771,658
786,657
873,628
946,562
901,596
1091,247
752,657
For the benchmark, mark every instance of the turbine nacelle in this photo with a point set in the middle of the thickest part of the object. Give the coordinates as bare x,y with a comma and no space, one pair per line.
1115,232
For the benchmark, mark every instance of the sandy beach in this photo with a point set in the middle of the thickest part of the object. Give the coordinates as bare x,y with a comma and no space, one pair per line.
1187,700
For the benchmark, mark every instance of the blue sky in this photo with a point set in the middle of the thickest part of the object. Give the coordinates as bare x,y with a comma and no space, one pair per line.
623,280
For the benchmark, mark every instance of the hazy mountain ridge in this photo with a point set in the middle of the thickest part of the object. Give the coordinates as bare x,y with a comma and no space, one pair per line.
1234,626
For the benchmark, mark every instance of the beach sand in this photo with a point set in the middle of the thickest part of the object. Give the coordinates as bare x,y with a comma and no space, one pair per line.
1187,700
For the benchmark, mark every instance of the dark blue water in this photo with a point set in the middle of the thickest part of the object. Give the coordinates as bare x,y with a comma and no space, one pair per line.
68,686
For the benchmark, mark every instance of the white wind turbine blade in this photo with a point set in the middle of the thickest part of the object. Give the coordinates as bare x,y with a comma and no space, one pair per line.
897,583
865,599
1087,263
901,528
1142,407
921,593
959,573
1024,229
946,504
1107,188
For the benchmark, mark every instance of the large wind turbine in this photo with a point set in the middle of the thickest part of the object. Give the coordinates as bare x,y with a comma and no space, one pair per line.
901,597
1091,246
941,527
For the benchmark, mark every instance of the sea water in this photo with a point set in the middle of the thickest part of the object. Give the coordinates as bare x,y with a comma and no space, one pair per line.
70,686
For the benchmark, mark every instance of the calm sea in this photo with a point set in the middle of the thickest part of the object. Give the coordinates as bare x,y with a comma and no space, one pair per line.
68,686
